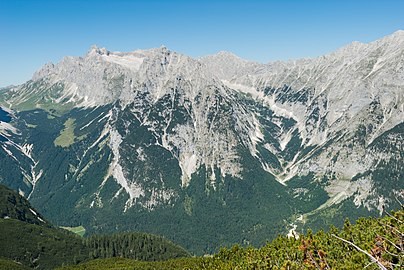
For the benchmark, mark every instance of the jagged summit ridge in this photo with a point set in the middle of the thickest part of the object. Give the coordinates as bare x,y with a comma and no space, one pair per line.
100,65
103,77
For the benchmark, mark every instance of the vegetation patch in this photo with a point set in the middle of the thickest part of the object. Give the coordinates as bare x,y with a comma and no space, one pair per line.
40,247
66,137
128,264
79,230
31,126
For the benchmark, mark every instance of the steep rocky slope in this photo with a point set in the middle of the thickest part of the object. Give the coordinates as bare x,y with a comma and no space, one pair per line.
211,150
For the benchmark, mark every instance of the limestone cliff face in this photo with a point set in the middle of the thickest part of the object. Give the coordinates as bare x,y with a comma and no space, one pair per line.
341,104
140,130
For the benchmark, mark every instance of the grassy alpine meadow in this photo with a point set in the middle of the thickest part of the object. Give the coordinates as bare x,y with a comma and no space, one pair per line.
79,230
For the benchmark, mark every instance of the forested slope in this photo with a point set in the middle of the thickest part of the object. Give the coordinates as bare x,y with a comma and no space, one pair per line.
27,240
369,243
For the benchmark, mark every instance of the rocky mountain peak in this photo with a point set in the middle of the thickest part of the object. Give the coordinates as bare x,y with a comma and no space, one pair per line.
96,50
210,137
226,65
102,76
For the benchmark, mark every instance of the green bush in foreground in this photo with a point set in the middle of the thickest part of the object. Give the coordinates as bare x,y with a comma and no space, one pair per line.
128,264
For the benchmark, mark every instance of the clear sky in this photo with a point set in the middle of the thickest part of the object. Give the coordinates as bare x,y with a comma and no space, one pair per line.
34,32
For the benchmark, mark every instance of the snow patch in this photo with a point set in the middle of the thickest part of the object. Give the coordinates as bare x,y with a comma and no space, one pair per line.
33,212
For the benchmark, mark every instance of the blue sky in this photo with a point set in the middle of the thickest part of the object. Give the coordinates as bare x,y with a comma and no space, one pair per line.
34,32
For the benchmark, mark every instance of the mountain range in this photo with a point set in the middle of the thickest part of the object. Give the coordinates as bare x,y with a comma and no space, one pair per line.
210,151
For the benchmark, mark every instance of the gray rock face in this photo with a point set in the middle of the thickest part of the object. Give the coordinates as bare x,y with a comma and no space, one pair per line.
144,77
330,98
329,130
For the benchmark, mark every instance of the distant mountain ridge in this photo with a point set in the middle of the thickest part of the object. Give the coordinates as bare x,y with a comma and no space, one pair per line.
216,149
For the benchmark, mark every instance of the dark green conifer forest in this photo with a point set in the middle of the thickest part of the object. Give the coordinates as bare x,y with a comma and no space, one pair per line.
369,243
